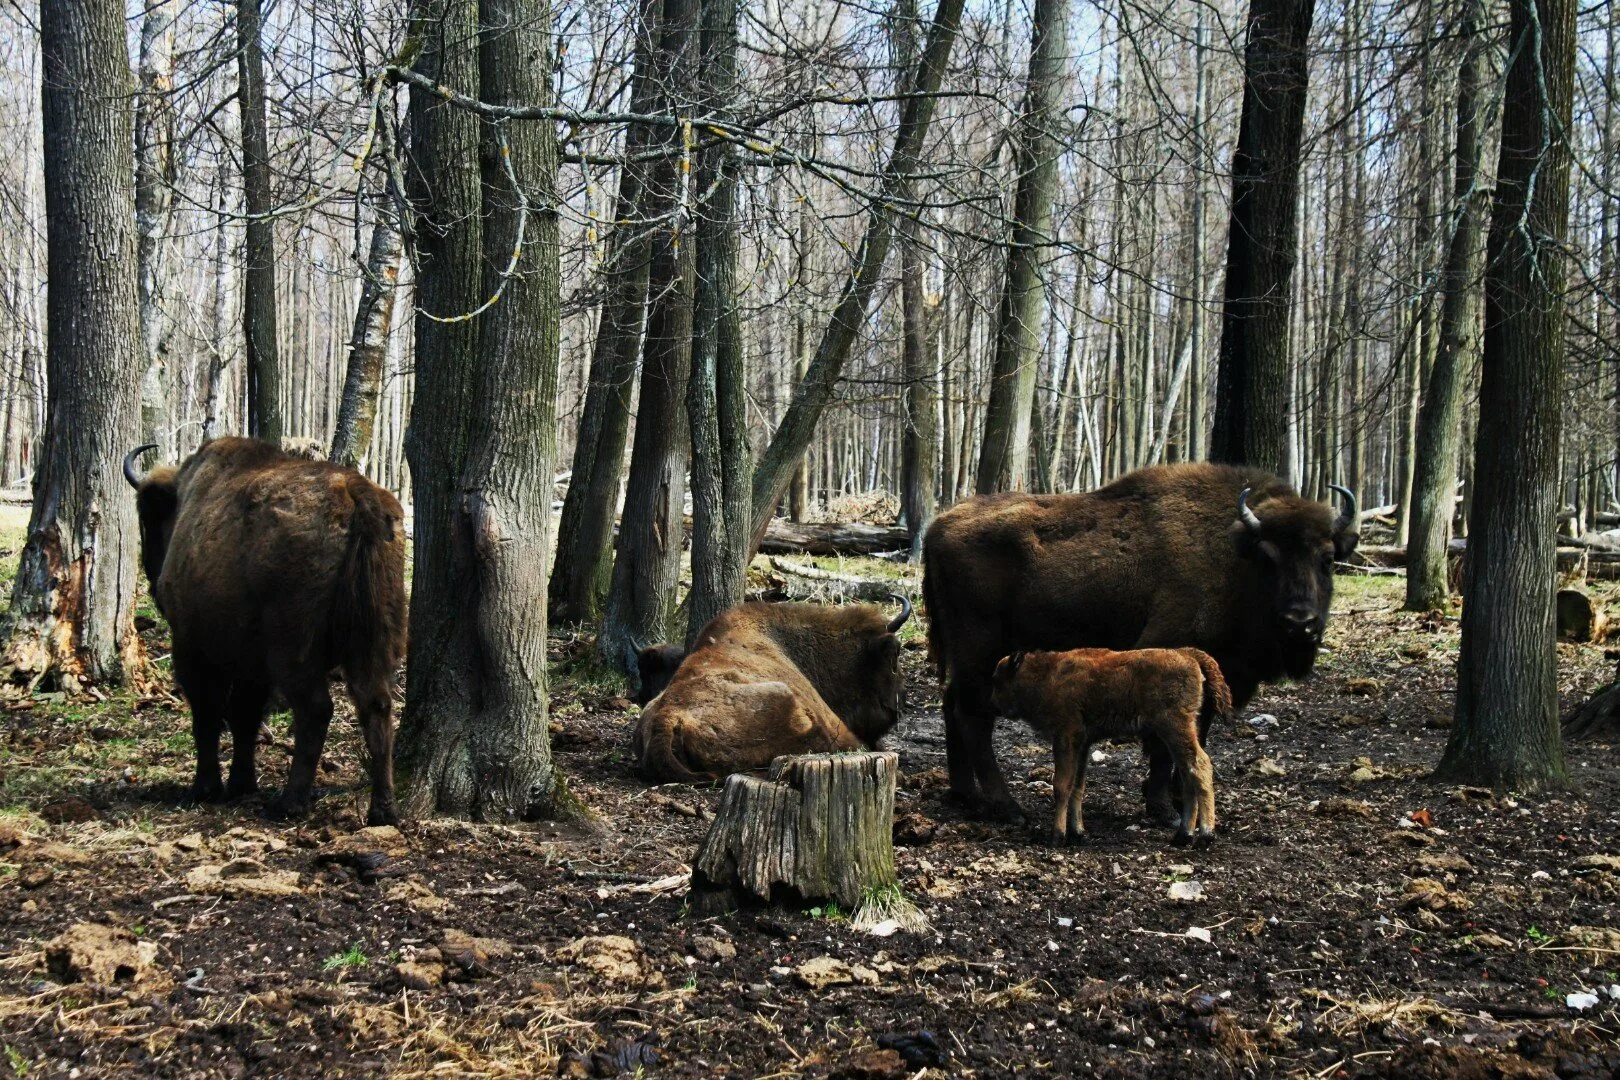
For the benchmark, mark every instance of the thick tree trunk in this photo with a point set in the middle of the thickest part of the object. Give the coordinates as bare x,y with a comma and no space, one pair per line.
1434,481
368,346
259,272
646,568
486,752
585,532
793,435
1004,453
154,138
71,620
716,396
1251,395
444,187
1506,729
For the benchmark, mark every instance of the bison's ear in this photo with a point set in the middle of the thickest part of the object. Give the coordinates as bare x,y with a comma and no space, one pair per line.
886,650
1344,542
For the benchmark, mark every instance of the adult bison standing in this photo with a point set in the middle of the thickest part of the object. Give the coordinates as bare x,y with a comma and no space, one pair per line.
1229,560
273,571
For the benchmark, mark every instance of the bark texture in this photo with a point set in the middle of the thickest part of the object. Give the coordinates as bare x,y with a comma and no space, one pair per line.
368,347
1251,388
1439,434
641,600
585,532
71,620
259,272
717,392
1005,452
1506,733
154,200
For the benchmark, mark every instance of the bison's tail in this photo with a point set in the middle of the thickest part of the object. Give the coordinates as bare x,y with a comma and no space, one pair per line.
659,759
368,612
936,621
1217,695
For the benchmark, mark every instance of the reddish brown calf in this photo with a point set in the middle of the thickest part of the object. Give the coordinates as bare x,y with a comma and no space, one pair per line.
1083,695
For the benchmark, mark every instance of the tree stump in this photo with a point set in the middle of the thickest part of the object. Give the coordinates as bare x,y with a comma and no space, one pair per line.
818,828
1580,618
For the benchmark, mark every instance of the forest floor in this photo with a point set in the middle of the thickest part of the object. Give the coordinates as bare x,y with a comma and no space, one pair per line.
1353,919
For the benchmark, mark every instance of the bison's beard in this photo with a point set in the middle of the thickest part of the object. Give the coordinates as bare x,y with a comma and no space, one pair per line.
1298,656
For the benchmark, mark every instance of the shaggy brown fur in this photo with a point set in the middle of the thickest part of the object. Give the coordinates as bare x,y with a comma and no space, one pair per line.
1083,695
1159,557
772,679
273,571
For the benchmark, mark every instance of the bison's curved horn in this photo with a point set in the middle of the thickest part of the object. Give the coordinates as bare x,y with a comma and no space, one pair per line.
905,612
1347,517
135,479
1245,515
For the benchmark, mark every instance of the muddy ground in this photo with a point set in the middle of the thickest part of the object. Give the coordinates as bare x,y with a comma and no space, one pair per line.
1355,919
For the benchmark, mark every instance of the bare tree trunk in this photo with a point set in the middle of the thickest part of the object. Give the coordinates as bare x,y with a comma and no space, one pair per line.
259,274
717,393
219,355
1506,729
585,532
641,600
1251,404
444,188
1004,454
71,620
486,753
368,347
154,137
816,388
1434,482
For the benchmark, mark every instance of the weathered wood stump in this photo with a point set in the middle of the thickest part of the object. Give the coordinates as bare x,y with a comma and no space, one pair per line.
1598,718
818,828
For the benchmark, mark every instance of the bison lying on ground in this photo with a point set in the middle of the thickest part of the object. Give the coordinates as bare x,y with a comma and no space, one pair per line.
655,667
1226,559
273,571
1083,695
772,679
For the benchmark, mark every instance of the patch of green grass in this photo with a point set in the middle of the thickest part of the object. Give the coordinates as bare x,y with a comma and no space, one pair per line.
19,1064
354,957
1538,935
830,911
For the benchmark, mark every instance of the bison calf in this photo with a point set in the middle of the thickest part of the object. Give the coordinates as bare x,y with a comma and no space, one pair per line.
273,571
1084,695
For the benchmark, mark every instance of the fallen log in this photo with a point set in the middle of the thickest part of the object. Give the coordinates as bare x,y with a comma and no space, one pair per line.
851,538
802,582
1599,563
818,828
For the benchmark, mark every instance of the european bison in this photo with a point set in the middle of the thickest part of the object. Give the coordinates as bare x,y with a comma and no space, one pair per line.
655,667
1083,695
772,679
273,571
1229,560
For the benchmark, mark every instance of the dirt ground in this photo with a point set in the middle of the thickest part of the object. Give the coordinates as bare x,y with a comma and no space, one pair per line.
1353,919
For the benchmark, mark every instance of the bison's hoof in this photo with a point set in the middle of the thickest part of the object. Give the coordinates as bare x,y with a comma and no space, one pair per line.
1205,838
1163,813
285,810
241,790
382,815
1069,839
1182,838
207,791
1002,810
